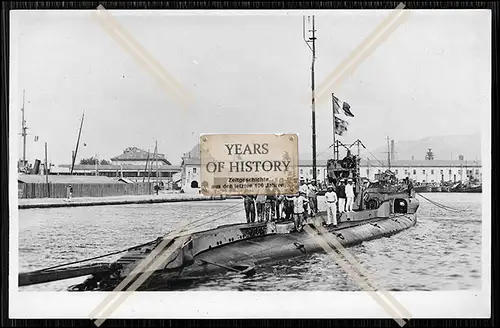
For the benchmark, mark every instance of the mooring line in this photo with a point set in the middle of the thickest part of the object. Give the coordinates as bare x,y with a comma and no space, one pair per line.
449,208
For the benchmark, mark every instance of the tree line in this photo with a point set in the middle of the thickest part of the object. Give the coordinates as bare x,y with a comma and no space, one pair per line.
92,161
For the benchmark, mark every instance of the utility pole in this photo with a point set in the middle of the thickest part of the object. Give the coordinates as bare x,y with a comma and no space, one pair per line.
23,132
313,102
145,167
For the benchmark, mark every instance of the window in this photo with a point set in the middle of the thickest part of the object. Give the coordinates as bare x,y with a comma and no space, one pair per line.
450,172
423,171
477,171
194,169
319,171
414,171
459,171
310,171
432,172
396,171
367,171
406,172
301,171
441,171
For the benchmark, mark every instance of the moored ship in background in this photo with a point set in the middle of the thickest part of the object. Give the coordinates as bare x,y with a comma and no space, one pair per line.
422,187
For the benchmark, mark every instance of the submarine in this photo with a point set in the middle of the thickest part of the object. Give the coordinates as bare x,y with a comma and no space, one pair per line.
181,258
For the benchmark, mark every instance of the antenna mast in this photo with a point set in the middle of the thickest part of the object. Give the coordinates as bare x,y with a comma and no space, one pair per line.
23,132
388,153
312,40
156,151
335,148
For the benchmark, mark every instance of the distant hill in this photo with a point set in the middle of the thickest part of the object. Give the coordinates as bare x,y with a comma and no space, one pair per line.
443,147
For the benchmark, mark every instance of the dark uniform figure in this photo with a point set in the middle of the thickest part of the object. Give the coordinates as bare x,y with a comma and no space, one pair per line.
288,207
250,208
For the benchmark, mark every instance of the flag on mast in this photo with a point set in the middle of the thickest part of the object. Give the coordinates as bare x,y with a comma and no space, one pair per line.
340,126
336,105
346,108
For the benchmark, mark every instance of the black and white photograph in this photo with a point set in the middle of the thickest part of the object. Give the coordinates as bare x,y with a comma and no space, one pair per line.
352,146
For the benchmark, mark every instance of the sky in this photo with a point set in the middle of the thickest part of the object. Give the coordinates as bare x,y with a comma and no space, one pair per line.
248,73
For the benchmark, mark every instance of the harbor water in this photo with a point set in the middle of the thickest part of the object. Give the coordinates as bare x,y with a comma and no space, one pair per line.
442,252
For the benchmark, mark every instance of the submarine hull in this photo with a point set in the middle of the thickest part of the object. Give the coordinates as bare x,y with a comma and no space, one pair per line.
272,249
246,247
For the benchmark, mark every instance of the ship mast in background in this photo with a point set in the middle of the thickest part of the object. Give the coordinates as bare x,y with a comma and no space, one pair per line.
77,144
23,133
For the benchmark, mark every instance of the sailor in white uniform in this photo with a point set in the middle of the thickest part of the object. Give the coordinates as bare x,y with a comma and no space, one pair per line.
349,192
331,206
303,187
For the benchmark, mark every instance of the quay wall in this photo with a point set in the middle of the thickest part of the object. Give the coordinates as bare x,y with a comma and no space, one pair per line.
59,190
103,201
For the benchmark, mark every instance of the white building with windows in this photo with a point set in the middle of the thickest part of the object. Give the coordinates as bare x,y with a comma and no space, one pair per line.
425,170
417,170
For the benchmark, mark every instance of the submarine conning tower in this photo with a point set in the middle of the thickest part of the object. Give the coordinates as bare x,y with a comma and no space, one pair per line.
371,195
346,168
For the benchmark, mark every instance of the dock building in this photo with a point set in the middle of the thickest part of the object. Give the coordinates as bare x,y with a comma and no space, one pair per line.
133,164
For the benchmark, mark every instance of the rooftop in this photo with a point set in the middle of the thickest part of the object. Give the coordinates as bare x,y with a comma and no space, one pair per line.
125,167
35,178
136,154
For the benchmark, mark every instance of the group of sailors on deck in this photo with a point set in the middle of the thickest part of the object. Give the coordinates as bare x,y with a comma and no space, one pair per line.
339,199
263,208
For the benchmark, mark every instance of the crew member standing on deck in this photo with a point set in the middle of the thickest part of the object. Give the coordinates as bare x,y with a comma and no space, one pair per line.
250,208
279,207
331,206
303,187
261,204
289,205
300,203
341,196
349,192
270,208
313,198
410,187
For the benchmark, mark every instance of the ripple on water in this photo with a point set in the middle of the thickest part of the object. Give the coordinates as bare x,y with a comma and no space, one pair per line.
442,252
